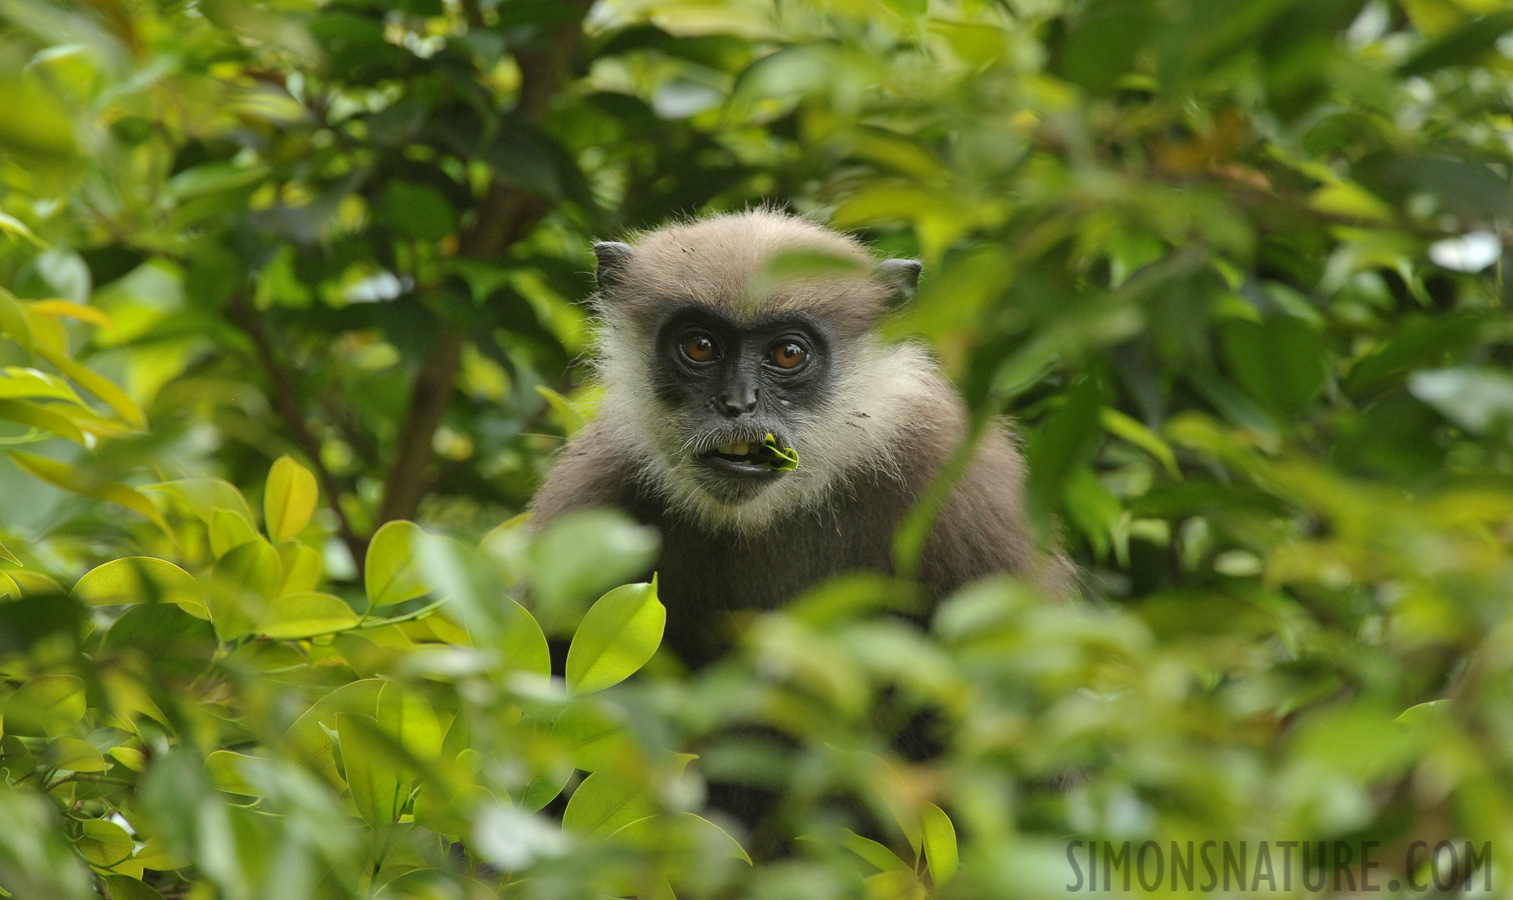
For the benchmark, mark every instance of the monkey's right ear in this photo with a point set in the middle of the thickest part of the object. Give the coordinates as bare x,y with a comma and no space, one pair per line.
613,258
902,276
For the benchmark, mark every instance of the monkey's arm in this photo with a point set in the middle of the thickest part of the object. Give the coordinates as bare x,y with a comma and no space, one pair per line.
982,529
590,471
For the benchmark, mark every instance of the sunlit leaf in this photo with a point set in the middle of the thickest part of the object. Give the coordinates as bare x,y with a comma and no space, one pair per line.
288,500
45,706
373,775
617,636
939,844
604,803
141,579
306,615
391,574
75,755
71,479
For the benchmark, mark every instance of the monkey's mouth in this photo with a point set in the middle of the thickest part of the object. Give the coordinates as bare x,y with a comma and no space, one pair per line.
745,458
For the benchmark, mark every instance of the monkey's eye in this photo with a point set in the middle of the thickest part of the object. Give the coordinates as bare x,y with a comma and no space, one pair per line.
789,355
699,348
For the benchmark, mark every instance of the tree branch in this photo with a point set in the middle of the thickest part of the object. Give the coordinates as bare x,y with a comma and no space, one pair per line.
285,401
504,215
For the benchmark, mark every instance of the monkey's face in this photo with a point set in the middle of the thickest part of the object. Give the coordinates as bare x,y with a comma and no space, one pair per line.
728,385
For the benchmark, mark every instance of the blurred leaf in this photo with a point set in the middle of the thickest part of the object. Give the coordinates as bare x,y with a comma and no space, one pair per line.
392,575
45,706
289,499
372,774
306,615
940,845
141,579
71,479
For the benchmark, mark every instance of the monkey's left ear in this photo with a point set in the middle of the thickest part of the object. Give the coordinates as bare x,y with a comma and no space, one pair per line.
613,257
902,276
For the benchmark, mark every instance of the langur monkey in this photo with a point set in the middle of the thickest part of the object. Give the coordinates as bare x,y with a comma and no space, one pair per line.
713,363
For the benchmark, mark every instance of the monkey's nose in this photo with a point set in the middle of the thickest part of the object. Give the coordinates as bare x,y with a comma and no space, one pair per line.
739,404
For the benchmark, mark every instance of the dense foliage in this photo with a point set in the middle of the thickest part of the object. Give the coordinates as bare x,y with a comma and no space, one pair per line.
1234,268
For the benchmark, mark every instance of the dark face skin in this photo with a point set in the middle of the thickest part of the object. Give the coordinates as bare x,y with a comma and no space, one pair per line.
736,384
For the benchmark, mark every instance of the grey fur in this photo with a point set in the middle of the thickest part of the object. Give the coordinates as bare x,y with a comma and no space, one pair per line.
865,459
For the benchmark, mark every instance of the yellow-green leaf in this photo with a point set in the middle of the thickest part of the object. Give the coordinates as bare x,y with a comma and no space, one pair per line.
618,635
141,579
289,500
229,530
940,844
34,415
95,383
410,720
391,573
873,852
302,568
105,843
70,479
8,556
1133,430
306,615
606,802
124,887
308,734
45,707
17,383
373,775
75,755
67,309
223,770
35,584
13,319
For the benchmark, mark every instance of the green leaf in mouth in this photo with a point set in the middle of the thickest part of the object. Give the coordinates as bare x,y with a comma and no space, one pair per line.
779,459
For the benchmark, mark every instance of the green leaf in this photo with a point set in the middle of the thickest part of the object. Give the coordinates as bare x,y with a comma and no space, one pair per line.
75,755
104,843
229,530
289,499
70,479
1135,431
45,706
522,642
940,844
8,556
13,320
617,636
373,775
604,803
411,720
100,386
391,573
778,459
17,383
302,566
1279,361
223,771
141,579
242,587
205,496
308,735
873,852
124,887
306,615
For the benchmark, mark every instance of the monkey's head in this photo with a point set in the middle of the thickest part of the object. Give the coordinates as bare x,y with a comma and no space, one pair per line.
721,331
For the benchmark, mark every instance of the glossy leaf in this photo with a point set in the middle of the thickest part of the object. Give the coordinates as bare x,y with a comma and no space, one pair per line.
288,500
618,635
392,574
